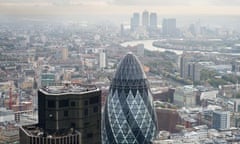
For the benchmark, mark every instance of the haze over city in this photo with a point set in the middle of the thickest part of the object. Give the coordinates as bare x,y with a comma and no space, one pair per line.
100,7
119,71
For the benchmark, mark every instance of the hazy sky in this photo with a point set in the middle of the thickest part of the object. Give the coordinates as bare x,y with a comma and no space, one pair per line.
96,7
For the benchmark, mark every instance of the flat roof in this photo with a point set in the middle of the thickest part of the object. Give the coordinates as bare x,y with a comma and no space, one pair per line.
34,130
68,89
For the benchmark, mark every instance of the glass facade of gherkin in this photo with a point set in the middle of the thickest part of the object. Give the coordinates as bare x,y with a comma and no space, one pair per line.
129,116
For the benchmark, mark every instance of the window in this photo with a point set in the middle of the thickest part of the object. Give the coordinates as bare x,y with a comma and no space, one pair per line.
51,104
65,113
86,102
86,123
73,104
89,135
86,112
94,100
73,125
95,109
63,103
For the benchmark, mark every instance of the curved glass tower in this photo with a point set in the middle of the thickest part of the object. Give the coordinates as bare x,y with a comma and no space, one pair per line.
129,117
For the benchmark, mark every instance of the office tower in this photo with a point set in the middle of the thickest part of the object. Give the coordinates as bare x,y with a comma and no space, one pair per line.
122,30
64,54
184,65
102,59
169,28
153,20
135,20
129,116
221,120
197,68
145,19
68,114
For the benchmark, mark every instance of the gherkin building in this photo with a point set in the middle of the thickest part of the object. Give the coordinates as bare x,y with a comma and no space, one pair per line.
129,116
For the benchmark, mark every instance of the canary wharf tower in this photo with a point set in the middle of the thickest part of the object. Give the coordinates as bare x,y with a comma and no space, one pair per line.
129,117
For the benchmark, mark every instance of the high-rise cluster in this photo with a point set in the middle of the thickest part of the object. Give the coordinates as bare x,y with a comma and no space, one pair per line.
148,20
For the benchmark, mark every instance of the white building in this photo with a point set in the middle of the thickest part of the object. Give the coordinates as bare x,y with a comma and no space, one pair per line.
6,115
185,96
102,59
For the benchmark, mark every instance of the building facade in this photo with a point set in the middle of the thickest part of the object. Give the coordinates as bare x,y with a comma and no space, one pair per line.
221,120
135,21
153,20
102,59
145,19
169,27
129,116
70,113
185,96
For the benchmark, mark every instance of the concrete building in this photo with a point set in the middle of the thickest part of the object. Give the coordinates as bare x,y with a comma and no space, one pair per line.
167,119
47,78
6,115
236,67
9,136
68,114
184,65
221,120
185,96
190,68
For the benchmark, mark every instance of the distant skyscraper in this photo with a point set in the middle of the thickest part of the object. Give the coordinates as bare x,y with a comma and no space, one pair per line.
145,19
169,27
129,115
153,20
68,114
221,120
102,59
135,20
184,65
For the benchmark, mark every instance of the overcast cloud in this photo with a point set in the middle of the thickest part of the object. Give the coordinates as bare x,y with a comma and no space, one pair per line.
133,2
119,6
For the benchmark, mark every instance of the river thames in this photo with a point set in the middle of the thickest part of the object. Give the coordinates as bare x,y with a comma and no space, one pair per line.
148,46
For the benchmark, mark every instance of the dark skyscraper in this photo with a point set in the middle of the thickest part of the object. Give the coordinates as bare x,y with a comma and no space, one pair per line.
153,20
145,19
67,114
169,28
135,20
129,116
